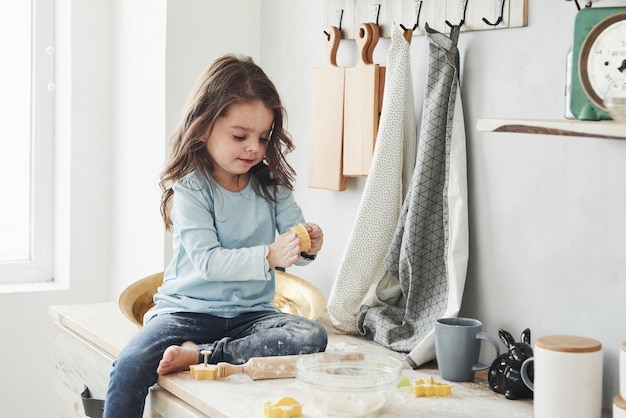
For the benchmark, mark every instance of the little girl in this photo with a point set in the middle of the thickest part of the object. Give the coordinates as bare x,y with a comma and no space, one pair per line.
227,190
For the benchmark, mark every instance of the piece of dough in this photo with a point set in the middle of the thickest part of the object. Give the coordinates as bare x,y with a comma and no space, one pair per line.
305,240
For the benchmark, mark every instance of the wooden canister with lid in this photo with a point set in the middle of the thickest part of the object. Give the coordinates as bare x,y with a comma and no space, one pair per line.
567,377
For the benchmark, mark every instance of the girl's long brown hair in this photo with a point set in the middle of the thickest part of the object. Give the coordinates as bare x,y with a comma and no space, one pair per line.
228,80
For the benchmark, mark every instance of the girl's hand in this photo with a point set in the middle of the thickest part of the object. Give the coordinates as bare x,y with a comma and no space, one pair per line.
317,237
285,251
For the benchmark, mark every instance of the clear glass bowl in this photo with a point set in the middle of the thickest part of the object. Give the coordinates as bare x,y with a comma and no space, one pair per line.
348,384
616,106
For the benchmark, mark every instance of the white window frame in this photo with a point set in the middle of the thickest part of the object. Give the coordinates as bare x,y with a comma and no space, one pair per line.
39,268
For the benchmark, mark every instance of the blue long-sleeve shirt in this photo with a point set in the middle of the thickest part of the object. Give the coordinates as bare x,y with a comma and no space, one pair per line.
220,243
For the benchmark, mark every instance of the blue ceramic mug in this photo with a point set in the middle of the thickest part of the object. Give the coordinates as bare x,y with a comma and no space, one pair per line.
457,347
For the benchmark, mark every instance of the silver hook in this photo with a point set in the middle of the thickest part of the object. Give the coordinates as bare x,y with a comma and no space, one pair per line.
497,22
589,4
463,9
418,10
376,13
339,17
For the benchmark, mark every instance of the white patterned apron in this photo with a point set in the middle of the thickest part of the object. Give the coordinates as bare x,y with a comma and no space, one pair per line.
362,265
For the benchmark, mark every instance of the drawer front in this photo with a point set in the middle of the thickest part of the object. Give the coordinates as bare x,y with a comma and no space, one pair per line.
77,363
165,405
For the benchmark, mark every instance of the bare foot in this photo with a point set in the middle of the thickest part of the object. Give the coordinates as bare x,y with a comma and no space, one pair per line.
178,358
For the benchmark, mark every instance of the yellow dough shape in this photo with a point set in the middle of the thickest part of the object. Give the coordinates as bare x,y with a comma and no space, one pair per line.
430,387
284,408
305,240
203,371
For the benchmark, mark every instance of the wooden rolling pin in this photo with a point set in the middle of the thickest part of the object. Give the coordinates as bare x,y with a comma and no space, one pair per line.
259,368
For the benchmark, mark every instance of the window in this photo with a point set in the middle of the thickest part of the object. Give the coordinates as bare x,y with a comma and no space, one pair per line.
26,160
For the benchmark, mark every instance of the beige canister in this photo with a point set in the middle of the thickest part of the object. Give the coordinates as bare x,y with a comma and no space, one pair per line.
622,371
567,377
619,407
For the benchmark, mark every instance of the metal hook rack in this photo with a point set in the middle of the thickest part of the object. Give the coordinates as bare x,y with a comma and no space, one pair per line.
511,14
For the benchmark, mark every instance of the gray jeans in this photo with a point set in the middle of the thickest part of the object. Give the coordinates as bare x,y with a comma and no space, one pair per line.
233,340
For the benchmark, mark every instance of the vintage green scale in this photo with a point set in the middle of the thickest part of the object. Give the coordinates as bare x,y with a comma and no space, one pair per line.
598,60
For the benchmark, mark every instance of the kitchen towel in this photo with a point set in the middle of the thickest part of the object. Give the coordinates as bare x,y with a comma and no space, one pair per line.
362,265
426,264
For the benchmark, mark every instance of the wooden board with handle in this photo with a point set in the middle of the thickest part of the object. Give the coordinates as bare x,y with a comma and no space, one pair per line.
326,143
362,104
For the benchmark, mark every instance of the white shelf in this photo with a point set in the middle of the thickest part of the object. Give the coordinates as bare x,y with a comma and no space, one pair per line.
601,129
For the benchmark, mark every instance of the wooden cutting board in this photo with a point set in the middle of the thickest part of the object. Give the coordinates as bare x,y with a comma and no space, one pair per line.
362,104
326,143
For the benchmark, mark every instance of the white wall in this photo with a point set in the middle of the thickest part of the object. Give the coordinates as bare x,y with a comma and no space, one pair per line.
546,213
547,246
139,34
161,49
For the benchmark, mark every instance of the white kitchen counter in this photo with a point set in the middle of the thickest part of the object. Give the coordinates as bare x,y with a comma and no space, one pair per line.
90,337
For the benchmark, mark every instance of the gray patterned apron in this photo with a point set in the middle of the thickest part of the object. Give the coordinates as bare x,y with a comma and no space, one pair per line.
416,289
